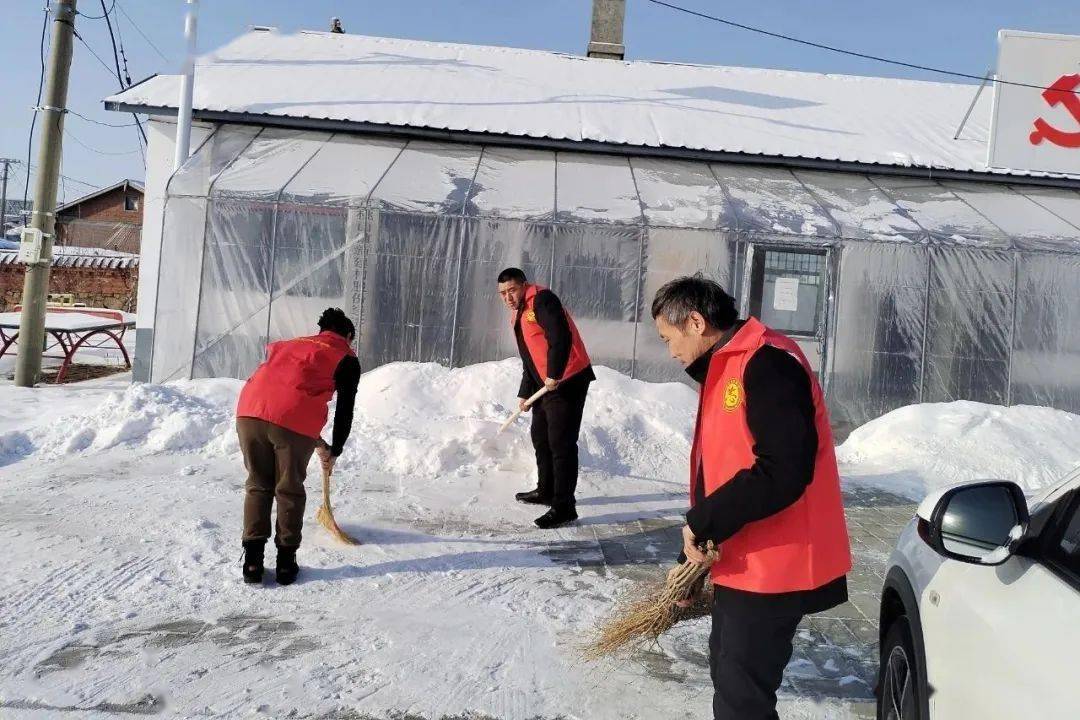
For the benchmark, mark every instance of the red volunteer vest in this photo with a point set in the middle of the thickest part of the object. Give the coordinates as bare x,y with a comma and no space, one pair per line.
537,344
805,545
294,384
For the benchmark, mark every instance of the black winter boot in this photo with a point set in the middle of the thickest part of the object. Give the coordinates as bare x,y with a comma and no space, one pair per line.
533,497
287,569
556,517
253,560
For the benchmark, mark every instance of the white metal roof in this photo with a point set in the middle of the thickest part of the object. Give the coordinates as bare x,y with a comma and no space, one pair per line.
555,96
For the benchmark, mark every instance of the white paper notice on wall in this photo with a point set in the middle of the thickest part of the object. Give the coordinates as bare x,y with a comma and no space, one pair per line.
786,294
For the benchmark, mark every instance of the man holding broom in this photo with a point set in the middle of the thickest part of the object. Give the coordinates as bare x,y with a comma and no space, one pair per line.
553,357
764,488
279,418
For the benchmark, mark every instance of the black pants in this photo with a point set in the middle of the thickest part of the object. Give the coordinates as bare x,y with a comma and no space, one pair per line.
747,656
556,422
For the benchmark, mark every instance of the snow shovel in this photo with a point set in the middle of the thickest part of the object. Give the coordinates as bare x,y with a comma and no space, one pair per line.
528,403
325,515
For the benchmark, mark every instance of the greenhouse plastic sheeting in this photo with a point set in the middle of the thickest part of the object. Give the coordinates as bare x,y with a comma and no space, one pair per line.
878,348
178,288
514,183
969,325
680,194
937,291
343,172
489,245
1046,345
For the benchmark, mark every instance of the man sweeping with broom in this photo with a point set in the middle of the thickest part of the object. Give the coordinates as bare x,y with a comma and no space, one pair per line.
764,488
279,418
554,359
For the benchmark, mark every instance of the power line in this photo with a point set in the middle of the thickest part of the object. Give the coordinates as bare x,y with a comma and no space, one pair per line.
33,119
80,143
116,60
100,17
96,56
139,30
842,51
33,169
98,122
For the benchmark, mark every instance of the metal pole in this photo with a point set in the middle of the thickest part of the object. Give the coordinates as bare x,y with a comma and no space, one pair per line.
3,198
982,86
187,87
43,220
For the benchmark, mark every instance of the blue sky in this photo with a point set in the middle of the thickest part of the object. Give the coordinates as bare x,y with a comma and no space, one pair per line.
956,34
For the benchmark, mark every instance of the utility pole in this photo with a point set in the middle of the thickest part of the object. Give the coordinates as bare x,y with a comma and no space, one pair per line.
3,197
43,219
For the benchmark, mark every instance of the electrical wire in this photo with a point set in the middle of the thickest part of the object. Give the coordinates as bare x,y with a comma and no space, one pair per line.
139,30
33,120
116,61
80,143
842,51
98,122
96,56
101,17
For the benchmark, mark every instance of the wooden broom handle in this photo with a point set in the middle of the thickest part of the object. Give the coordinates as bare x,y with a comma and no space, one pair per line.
528,403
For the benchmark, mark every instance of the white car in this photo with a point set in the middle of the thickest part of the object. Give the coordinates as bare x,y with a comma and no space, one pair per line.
980,610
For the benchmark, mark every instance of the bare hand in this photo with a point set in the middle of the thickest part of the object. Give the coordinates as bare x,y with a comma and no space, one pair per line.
551,384
326,459
523,406
690,548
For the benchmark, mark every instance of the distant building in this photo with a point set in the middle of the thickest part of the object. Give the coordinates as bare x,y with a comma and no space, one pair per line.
110,218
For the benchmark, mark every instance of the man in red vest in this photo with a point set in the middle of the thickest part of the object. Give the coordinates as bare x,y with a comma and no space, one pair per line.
763,486
279,418
552,355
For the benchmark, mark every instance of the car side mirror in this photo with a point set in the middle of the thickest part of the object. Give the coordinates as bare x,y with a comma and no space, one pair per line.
981,523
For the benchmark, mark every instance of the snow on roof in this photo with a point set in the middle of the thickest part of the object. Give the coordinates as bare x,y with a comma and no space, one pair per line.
79,257
555,96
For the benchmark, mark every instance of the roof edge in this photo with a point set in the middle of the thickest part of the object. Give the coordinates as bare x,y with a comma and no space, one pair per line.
594,146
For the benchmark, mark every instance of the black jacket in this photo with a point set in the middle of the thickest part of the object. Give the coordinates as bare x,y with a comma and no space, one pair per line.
552,319
346,380
780,417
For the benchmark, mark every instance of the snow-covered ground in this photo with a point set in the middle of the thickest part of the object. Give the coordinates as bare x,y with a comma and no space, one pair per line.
121,507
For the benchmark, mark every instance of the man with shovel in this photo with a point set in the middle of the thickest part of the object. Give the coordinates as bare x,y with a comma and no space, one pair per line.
555,359
764,487
279,418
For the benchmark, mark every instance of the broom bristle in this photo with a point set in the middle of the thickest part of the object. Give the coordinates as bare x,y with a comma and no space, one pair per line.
638,622
325,516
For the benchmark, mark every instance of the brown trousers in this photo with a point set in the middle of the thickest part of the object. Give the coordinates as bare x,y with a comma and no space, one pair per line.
276,460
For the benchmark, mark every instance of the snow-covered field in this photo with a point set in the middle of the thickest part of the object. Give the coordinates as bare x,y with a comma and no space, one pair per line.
121,509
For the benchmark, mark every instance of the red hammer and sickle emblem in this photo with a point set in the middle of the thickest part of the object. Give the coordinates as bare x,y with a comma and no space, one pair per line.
1062,92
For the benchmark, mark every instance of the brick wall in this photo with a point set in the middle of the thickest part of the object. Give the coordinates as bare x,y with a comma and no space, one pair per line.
102,222
91,286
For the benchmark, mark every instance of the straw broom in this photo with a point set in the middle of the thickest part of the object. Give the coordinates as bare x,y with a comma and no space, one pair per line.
325,515
637,622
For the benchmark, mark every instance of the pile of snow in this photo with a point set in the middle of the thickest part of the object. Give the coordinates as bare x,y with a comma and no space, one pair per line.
425,419
183,417
919,448
411,419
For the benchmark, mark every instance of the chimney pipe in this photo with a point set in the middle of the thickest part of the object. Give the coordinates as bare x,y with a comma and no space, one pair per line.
606,36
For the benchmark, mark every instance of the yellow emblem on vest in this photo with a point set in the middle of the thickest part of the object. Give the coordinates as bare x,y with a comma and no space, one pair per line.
530,316
733,395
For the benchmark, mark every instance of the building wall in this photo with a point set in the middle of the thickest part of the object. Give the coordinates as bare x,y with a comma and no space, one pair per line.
103,222
95,287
